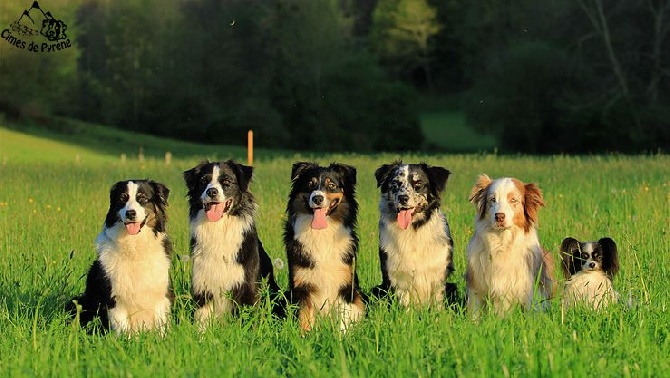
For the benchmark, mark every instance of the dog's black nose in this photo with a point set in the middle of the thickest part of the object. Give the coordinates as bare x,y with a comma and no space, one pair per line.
592,265
212,192
403,199
131,214
500,217
317,199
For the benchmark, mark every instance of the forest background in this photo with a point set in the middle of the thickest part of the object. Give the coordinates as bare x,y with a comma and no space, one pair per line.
555,76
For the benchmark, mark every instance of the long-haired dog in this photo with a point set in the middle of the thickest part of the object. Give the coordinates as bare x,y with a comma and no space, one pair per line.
589,268
505,259
228,258
321,243
128,285
415,244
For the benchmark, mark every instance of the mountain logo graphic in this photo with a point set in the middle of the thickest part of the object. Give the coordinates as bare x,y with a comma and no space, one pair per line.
35,21
37,31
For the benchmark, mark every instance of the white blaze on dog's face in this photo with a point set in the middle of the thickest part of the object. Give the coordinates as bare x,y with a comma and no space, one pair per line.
133,213
214,196
506,202
135,203
591,257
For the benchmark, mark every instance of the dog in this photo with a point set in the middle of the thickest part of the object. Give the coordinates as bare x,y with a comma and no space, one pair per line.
504,255
415,244
128,285
589,269
321,244
229,261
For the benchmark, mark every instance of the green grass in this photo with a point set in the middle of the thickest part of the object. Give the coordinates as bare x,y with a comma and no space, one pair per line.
52,208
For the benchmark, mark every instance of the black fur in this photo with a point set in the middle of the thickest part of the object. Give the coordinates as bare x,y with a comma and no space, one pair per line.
97,298
306,178
430,183
573,256
234,180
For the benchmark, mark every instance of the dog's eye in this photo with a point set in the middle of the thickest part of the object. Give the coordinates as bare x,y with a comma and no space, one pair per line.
312,184
226,182
418,185
492,199
513,200
585,256
123,197
142,200
332,186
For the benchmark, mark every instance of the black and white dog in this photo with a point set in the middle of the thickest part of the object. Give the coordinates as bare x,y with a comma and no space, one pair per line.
321,244
128,284
229,261
589,268
415,244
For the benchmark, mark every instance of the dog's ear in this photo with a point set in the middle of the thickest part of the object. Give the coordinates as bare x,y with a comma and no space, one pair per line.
478,193
532,202
438,177
610,256
243,174
569,247
162,192
381,174
346,171
300,167
191,176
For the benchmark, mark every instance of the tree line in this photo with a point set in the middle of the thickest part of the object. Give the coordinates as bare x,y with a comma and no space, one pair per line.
555,76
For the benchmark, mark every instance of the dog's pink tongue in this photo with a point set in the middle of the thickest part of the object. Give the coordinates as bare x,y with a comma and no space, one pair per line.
319,221
133,228
215,212
405,218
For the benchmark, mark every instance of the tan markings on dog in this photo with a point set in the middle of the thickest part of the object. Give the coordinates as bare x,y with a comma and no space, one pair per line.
306,316
533,200
519,195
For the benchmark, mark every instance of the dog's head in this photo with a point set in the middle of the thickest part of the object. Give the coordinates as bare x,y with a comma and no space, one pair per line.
137,204
589,256
410,191
323,192
506,202
217,188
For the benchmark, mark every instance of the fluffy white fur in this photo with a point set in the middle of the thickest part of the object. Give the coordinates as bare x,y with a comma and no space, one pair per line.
593,288
504,256
138,270
325,248
210,256
416,259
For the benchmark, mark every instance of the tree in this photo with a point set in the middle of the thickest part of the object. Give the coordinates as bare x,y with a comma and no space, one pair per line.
402,32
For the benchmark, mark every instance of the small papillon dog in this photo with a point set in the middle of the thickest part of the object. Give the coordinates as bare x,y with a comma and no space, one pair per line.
589,268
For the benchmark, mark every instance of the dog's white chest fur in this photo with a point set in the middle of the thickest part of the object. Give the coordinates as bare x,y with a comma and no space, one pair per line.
326,248
417,259
214,254
138,269
503,264
592,288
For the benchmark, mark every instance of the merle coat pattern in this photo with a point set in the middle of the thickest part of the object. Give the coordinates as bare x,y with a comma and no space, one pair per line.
415,243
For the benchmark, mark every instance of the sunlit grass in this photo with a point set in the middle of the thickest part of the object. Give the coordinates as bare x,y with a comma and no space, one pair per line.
51,210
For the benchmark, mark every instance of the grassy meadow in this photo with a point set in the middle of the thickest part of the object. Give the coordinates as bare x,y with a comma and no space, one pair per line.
54,196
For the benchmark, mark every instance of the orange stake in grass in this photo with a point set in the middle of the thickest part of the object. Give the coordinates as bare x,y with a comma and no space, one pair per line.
250,148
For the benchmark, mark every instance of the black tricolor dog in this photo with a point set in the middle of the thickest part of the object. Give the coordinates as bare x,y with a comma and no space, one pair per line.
128,284
589,269
229,261
321,243
415,244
